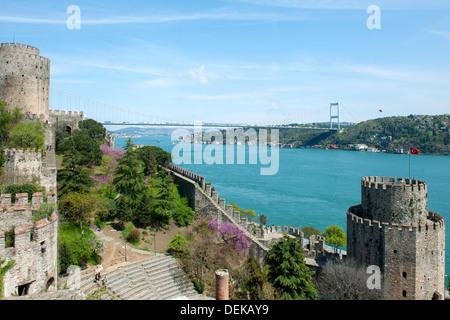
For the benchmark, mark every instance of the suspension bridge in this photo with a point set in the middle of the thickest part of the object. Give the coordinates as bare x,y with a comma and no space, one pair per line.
110,115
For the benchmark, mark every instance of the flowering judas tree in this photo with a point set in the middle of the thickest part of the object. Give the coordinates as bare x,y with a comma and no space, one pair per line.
110,161
231,234
117,153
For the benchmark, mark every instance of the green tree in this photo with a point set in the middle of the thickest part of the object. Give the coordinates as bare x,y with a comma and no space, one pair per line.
164,201
256,280
74,178
250,214
263,219
309,231
80,207
82,149
27,135
64,257
129,182
335,236
288,273
93,129
177,245
8,119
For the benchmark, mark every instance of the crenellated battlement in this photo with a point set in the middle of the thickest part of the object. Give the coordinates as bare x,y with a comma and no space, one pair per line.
433,222
79,114
398,200
21,203
18,48
385,183
188,174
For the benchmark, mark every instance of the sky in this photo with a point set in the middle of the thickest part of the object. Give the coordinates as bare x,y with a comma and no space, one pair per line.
240,61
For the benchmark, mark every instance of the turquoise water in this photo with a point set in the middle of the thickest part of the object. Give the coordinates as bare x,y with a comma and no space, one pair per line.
315,187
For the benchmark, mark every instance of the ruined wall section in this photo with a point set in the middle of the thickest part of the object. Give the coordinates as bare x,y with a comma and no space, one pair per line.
25,79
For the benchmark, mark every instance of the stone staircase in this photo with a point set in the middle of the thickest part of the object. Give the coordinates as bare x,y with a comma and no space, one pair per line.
156,278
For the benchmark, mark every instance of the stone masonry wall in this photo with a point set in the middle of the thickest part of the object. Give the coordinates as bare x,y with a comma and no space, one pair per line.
25,79
208,203
394,200
34,249
411,255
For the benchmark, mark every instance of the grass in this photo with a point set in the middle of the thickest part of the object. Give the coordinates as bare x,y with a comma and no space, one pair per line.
78,243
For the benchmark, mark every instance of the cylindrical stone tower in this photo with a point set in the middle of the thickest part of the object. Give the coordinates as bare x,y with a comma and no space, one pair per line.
401,201
25,79
393,229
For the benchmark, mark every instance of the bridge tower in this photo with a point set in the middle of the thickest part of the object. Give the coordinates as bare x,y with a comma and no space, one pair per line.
334,107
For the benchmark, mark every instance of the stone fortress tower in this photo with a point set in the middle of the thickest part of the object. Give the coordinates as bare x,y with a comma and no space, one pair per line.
25,79
393,229
25,83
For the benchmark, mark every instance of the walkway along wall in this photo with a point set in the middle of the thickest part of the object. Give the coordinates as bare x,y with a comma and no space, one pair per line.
208,205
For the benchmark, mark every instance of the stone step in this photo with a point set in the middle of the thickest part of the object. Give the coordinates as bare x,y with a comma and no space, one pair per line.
160,269
156,278
134,291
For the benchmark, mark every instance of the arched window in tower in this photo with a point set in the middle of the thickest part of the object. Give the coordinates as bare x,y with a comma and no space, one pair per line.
404,275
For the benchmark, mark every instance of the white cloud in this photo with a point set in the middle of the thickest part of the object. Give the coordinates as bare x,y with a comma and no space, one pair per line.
352,4
273,108
418,76
198,75
161,82
217,15
442,34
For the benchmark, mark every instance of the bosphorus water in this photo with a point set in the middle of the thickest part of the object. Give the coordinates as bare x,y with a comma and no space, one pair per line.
315,187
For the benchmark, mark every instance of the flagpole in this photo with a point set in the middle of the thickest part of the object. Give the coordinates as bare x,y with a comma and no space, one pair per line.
409,167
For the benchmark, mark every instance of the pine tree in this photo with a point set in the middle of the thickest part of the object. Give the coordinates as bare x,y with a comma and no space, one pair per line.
288,273
129,182
73,178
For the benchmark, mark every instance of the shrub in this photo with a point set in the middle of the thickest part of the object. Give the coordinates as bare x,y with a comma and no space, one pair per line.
198,285
44,211
133,236
28,188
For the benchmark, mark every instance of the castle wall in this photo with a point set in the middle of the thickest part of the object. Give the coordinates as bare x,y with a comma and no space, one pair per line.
430,257
22,166
206,203
410,255
209,205
25,79
35,247
68,118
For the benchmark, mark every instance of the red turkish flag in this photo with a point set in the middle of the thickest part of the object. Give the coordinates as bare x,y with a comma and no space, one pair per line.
414,151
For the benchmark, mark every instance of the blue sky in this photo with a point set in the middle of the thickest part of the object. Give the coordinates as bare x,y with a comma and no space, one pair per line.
251,61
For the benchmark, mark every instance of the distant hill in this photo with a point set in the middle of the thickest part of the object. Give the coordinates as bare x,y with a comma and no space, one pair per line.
429,134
